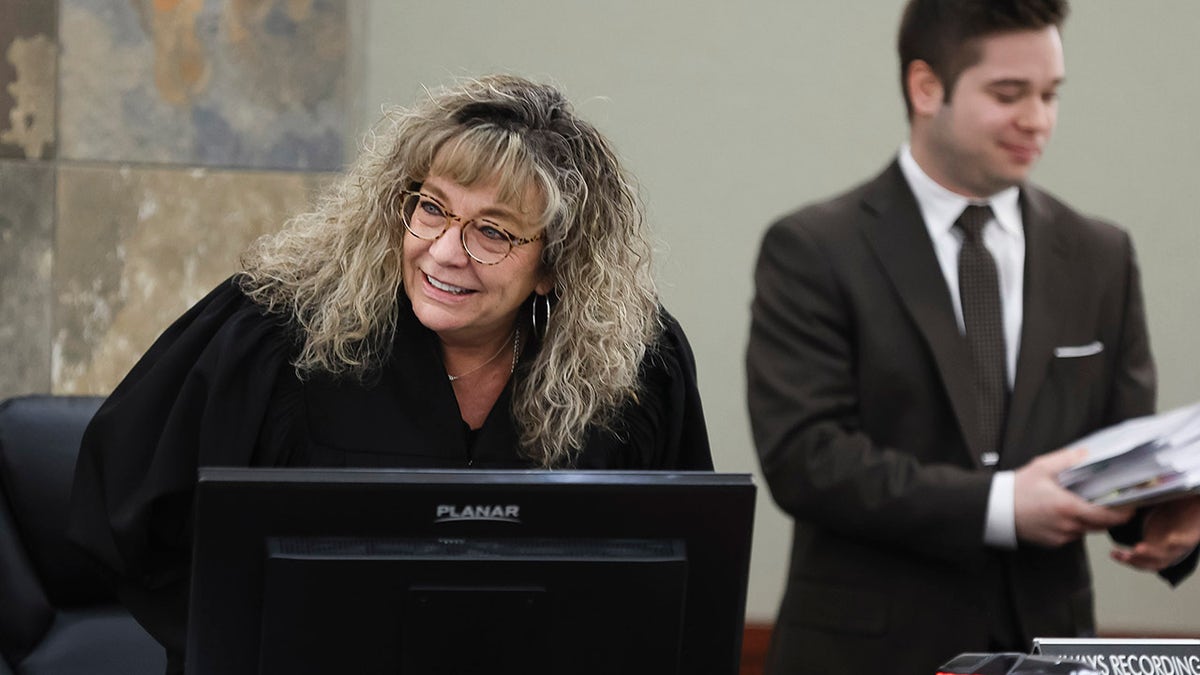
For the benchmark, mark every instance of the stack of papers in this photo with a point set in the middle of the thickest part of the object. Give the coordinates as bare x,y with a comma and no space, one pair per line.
1141,461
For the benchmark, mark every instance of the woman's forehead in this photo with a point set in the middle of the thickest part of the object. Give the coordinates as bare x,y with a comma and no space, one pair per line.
472,162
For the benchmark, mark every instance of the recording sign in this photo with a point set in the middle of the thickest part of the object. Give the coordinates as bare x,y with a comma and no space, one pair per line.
1127,656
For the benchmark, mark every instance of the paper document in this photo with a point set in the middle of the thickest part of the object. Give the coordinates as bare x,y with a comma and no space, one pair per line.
1143,460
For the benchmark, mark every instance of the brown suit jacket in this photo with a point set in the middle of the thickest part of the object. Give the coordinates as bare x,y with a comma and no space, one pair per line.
859,395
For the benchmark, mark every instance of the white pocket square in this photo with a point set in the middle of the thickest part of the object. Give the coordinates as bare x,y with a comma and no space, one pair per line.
1078,351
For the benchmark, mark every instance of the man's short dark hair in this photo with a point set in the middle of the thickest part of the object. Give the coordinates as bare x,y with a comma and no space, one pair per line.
946,33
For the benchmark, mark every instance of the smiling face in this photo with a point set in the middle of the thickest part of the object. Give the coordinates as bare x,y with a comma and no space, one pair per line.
463,301
1003,109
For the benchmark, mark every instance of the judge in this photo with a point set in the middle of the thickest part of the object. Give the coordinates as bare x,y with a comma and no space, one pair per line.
475,292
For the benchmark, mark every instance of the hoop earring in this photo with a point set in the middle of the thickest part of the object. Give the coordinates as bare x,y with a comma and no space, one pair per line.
533,314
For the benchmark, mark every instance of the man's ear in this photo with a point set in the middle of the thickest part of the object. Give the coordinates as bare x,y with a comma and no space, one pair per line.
925,90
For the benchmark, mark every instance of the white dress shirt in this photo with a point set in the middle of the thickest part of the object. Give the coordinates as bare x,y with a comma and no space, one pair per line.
1004,237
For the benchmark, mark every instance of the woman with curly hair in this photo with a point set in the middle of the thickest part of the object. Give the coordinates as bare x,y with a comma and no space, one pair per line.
474,292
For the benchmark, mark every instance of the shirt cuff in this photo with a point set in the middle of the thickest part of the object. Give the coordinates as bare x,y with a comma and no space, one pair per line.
1001,527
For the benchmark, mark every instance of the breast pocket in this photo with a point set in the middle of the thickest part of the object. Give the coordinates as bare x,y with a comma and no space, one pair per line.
1079,351
1078,382
1079,367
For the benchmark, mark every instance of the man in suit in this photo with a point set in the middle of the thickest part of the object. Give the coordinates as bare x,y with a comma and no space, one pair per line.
910,420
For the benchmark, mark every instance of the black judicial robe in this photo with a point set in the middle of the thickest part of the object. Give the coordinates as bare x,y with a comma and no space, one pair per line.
217,389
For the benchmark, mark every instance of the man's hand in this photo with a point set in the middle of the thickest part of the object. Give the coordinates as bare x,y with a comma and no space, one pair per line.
1169,532
1048,514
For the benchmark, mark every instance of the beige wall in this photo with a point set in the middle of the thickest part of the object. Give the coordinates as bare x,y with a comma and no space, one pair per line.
733,113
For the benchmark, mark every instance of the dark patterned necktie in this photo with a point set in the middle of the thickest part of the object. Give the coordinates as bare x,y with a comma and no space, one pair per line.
979,288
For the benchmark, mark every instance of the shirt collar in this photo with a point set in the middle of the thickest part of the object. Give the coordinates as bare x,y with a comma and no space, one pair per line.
940,207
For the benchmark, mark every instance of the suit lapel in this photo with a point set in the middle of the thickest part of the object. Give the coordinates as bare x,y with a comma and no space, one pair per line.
1046,253
898,236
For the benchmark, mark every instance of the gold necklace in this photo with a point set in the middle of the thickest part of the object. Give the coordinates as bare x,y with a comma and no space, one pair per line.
514,336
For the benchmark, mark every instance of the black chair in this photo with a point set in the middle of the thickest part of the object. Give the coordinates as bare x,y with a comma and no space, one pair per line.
57,615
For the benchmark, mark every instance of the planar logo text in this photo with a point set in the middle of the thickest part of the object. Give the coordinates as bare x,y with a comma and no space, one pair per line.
504,513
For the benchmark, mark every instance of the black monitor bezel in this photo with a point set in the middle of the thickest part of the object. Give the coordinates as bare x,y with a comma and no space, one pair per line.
712,512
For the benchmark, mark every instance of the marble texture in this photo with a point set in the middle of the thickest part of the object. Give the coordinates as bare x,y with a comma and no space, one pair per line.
135,247
219,83
26,240
28,63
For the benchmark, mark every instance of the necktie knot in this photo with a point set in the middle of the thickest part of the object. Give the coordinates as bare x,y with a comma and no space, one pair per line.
972,220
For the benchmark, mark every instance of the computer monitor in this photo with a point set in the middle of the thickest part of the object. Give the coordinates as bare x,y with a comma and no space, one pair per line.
435,571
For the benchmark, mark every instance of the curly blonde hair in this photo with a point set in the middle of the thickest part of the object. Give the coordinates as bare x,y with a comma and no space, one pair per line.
336,272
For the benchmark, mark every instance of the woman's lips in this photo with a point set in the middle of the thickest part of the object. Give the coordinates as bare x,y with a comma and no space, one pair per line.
446,287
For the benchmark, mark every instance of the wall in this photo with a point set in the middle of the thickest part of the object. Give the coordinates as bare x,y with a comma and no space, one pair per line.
142,147
733,113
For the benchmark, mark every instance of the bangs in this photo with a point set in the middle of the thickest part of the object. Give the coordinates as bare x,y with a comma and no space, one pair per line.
484,154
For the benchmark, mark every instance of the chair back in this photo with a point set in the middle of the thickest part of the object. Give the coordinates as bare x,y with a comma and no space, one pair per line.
39,569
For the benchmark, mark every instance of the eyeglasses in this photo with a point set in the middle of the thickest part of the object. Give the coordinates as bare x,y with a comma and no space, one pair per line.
486,242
